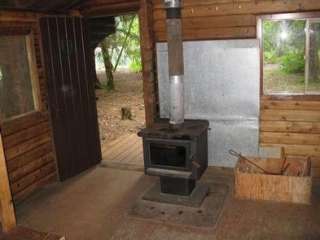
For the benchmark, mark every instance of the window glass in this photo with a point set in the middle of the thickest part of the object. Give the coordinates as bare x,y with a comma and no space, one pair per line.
291,56
16,91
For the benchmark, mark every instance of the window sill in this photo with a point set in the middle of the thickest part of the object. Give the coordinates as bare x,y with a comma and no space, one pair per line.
294,97
24,121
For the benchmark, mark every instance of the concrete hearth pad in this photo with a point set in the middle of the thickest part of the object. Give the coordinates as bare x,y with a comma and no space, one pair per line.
204,216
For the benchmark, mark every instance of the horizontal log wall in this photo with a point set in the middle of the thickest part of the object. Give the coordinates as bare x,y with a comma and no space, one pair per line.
225,19
294,125
27,139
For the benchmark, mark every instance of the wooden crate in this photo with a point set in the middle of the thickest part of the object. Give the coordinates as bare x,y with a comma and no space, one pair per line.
251,183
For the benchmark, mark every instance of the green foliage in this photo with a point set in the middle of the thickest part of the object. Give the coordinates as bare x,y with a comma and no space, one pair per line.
135,65
271,57
284,44
293,62
124,45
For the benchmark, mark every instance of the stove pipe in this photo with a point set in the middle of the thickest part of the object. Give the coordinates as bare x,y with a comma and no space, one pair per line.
175,60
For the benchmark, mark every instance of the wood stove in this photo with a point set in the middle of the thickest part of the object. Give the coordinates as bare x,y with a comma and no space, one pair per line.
178,156
176,150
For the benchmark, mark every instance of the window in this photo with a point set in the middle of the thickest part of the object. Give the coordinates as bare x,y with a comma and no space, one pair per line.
291,50
18,77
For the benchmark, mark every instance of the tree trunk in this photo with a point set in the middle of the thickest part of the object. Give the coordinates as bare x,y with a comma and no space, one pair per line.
313,54
108,65
124,44
97,83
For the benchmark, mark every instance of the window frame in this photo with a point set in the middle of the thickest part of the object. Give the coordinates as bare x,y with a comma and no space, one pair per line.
282,16
29,35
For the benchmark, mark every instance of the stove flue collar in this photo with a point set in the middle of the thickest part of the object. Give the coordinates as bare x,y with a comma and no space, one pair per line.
172,3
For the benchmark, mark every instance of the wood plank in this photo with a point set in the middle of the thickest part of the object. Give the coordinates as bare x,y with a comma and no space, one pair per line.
114,150
125,154
8,219
110,145
31,51
299,150
111,9
217,33
290,115
22,122
211,22
291,105
12,16
30,167
147,42
49,178
290,138
234,8
315,161
33,177
27,146
290,127
137,157
256,186
26,134
315,172
26,158
188,3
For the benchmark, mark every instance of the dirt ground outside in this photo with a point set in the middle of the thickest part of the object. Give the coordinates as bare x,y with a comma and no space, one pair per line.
128,93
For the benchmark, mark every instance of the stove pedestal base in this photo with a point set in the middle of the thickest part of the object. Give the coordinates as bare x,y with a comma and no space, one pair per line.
177,186
195,199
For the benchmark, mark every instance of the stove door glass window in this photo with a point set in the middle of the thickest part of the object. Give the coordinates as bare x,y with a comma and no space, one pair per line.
168,155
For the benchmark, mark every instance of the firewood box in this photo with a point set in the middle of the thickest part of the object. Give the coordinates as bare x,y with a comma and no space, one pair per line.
292,185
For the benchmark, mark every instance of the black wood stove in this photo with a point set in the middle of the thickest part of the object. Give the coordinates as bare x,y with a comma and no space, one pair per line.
178,156
176,150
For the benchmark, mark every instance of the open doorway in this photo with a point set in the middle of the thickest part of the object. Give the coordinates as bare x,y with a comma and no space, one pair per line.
119,92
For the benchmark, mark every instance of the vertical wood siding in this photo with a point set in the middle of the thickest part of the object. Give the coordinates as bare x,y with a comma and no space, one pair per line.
71,94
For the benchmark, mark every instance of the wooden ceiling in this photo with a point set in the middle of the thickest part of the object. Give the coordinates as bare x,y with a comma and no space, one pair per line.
40,5
94,7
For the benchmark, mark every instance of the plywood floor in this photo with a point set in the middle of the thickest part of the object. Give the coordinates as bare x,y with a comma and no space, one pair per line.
96,205
124,153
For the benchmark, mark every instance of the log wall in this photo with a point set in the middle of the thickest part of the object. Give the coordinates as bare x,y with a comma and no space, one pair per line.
225,19
27,139
292,124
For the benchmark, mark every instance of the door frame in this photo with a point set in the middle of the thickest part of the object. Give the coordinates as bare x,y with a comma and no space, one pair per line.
7,211
144,9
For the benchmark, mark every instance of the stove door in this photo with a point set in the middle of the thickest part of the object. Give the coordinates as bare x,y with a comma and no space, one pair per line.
167,154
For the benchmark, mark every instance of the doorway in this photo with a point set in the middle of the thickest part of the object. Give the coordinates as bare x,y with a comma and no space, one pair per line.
119,93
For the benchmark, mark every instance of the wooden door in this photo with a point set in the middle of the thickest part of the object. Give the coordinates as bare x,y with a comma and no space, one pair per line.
72,101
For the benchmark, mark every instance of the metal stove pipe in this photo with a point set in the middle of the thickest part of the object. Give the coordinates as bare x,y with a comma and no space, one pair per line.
175,60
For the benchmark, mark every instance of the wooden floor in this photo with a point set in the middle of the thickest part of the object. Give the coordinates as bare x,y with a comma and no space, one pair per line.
125,152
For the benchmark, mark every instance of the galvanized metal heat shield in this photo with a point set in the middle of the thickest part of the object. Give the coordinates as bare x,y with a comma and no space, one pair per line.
222,84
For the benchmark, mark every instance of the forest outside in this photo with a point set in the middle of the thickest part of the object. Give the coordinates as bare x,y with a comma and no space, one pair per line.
118,67
120,51
291,56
